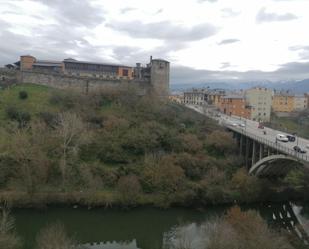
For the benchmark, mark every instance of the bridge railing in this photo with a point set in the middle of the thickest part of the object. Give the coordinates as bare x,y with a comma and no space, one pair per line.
274,145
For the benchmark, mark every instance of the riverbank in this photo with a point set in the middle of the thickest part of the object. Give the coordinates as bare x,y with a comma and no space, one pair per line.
144,227
111,199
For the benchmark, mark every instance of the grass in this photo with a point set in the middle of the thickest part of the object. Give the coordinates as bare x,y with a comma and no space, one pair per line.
290,125
37,101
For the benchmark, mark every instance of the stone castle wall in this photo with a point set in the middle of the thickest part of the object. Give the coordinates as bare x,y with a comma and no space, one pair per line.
156,82
8,77
82,84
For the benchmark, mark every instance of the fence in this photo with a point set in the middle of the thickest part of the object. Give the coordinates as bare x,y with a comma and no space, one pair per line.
271,144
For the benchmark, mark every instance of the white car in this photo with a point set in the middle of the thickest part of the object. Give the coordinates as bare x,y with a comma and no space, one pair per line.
242,125
282,138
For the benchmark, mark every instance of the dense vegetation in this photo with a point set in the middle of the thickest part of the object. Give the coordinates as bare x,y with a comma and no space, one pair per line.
116,148
298,124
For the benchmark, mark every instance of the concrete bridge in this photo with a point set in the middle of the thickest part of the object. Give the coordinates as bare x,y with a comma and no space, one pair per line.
263,154
266,158
288,216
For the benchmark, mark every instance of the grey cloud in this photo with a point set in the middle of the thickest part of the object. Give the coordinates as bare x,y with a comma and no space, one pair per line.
225,65
159,11
74,21
211,1
303,51
228,12
288,71
228,41
127,9
130,55
264,16
165,30
48,42
75,12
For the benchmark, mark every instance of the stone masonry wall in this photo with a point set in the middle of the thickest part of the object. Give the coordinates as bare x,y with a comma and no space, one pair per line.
82,84
8,77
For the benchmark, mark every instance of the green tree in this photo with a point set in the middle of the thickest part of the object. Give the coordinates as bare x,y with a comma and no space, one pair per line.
129,189
247,188
220,142
162,175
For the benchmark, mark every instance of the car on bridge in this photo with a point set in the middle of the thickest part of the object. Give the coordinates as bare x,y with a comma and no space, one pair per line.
261,126
299,150
291,138
282,138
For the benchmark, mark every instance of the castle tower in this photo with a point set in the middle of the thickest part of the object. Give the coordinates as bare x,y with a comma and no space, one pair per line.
26,62
160,76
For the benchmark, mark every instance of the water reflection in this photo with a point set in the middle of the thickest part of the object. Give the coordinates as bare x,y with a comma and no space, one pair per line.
111,245
148,228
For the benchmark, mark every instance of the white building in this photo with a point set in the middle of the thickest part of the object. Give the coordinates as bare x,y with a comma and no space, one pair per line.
195,97
260,100
300,102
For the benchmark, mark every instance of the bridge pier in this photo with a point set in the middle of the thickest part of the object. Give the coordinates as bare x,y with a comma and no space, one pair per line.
241,144
253,152
247,153
261,151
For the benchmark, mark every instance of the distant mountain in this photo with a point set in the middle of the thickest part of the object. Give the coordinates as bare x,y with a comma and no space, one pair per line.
295,86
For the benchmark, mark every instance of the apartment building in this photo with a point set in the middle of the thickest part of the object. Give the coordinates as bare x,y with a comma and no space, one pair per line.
176,98
300,103
196,97
235,105
260,99
283,102
215,97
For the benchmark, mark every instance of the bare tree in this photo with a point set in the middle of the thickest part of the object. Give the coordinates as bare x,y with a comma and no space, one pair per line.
26,148
54,236
72,133
8,238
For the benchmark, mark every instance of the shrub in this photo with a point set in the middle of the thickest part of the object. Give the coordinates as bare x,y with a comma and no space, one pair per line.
23,95
54,236
129,189
50,119
21,117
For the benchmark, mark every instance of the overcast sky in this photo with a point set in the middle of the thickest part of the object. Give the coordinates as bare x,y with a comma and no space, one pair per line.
205,40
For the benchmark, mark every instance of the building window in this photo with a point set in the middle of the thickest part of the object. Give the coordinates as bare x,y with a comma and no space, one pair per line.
125,72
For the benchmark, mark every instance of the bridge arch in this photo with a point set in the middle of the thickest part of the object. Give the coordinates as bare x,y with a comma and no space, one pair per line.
274,165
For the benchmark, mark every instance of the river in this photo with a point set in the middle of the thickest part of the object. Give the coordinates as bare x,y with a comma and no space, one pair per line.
148,228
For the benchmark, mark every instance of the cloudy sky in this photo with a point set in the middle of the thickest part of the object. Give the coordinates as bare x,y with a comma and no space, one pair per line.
205,40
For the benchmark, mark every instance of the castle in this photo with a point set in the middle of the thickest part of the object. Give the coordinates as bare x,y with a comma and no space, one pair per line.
91,76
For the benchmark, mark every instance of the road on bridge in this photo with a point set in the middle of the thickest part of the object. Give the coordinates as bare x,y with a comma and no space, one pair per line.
250,127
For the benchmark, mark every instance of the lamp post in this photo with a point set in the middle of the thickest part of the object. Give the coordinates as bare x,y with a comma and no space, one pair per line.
296,139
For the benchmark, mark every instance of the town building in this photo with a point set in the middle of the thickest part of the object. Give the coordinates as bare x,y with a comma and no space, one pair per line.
196,97
176,98
75,67
215,96
260,99
235,105
283,101
300,103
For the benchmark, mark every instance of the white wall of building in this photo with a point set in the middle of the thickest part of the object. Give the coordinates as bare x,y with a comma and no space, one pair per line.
260,99
300,103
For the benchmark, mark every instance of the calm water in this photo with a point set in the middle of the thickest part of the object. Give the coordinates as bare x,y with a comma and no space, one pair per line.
146,228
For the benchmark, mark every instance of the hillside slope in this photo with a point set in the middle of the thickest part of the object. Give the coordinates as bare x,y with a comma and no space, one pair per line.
114,148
